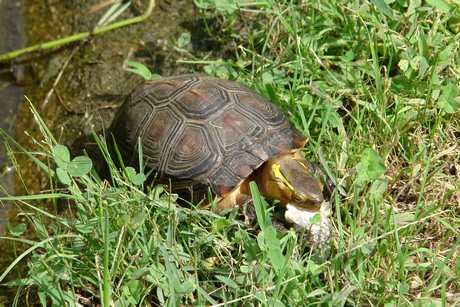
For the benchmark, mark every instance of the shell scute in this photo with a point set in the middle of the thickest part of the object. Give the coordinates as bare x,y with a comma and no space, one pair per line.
192,154
157,133
235,130
201,101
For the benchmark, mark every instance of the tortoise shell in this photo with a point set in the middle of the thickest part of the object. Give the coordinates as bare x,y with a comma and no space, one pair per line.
199,131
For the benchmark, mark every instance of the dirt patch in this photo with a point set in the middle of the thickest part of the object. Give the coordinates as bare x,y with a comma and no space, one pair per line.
95,80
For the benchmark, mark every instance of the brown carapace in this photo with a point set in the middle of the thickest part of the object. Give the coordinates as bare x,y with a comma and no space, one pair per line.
198,131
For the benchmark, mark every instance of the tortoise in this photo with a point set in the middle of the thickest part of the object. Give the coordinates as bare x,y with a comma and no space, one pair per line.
199,132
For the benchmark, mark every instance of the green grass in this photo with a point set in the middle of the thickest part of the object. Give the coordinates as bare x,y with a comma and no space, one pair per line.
375,87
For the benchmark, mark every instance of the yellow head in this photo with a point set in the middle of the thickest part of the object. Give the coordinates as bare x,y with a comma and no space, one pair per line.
287,178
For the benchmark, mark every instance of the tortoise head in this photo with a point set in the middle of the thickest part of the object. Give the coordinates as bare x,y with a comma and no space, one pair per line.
288,178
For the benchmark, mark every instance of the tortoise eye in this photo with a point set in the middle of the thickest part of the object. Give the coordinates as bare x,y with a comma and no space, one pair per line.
296,197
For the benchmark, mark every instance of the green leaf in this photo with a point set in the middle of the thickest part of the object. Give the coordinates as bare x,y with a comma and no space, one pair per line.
446,53
183,40
251,248
227,281
17,230
139,69
448,99
80,166
383,7
367,248
39,228
130,172
186,287
313,268
441,5
132,292
403,65
61,156
260,205
315,218
62,176
86,227
371,167
316,292
134,177
137,220
377,189
349,56
182,286
204,4
227,6
139,179
274,248
423,66
267,78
